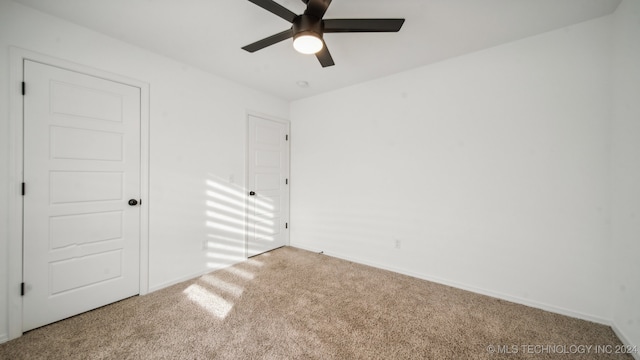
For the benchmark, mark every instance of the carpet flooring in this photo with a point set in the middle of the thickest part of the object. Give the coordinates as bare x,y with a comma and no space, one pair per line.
294,304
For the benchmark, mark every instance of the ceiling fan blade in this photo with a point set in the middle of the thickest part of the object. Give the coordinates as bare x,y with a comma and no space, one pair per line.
317,8
273,39
362,25
275,8
324,56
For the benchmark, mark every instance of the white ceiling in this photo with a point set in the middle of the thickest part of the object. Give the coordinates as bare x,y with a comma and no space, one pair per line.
209,34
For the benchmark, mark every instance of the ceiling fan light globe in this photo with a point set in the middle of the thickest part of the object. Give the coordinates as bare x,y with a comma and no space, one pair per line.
307,44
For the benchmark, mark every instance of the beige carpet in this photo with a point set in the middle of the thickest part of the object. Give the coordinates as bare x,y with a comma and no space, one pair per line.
294,304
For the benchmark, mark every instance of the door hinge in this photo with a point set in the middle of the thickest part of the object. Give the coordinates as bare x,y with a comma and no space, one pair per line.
286,225
24,189
22,289
24,88
140,202
286,137
286,181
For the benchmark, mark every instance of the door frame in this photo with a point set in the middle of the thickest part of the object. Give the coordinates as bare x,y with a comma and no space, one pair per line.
16,172
287,123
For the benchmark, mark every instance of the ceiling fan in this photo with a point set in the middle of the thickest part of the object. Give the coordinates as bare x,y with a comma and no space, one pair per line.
308,28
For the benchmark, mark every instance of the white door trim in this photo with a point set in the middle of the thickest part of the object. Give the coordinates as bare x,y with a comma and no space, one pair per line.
287,123
16,158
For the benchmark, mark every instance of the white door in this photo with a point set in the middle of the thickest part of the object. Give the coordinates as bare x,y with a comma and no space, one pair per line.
81,167
268,185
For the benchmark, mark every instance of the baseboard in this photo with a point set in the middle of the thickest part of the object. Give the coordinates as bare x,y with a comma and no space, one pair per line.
625,340
188,277
467,287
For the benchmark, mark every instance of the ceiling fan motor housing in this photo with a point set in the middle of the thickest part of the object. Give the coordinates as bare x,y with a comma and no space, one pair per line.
307,25
308,29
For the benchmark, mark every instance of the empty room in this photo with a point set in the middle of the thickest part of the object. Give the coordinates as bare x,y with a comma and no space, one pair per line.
317,179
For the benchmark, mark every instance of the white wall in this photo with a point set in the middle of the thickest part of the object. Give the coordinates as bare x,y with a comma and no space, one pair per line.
626,172
197,140
491,169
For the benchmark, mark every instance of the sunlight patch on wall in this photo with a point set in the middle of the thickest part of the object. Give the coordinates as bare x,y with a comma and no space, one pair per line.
222,251
222,247
226,208
225,217
225,258
225,188
233,196
222,197
230,224
265,237
227,228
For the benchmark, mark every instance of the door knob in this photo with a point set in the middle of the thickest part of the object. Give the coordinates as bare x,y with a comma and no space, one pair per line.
133,202
252,193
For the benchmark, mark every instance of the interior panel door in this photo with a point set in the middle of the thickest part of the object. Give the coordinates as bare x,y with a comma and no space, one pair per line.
82,165
268,169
